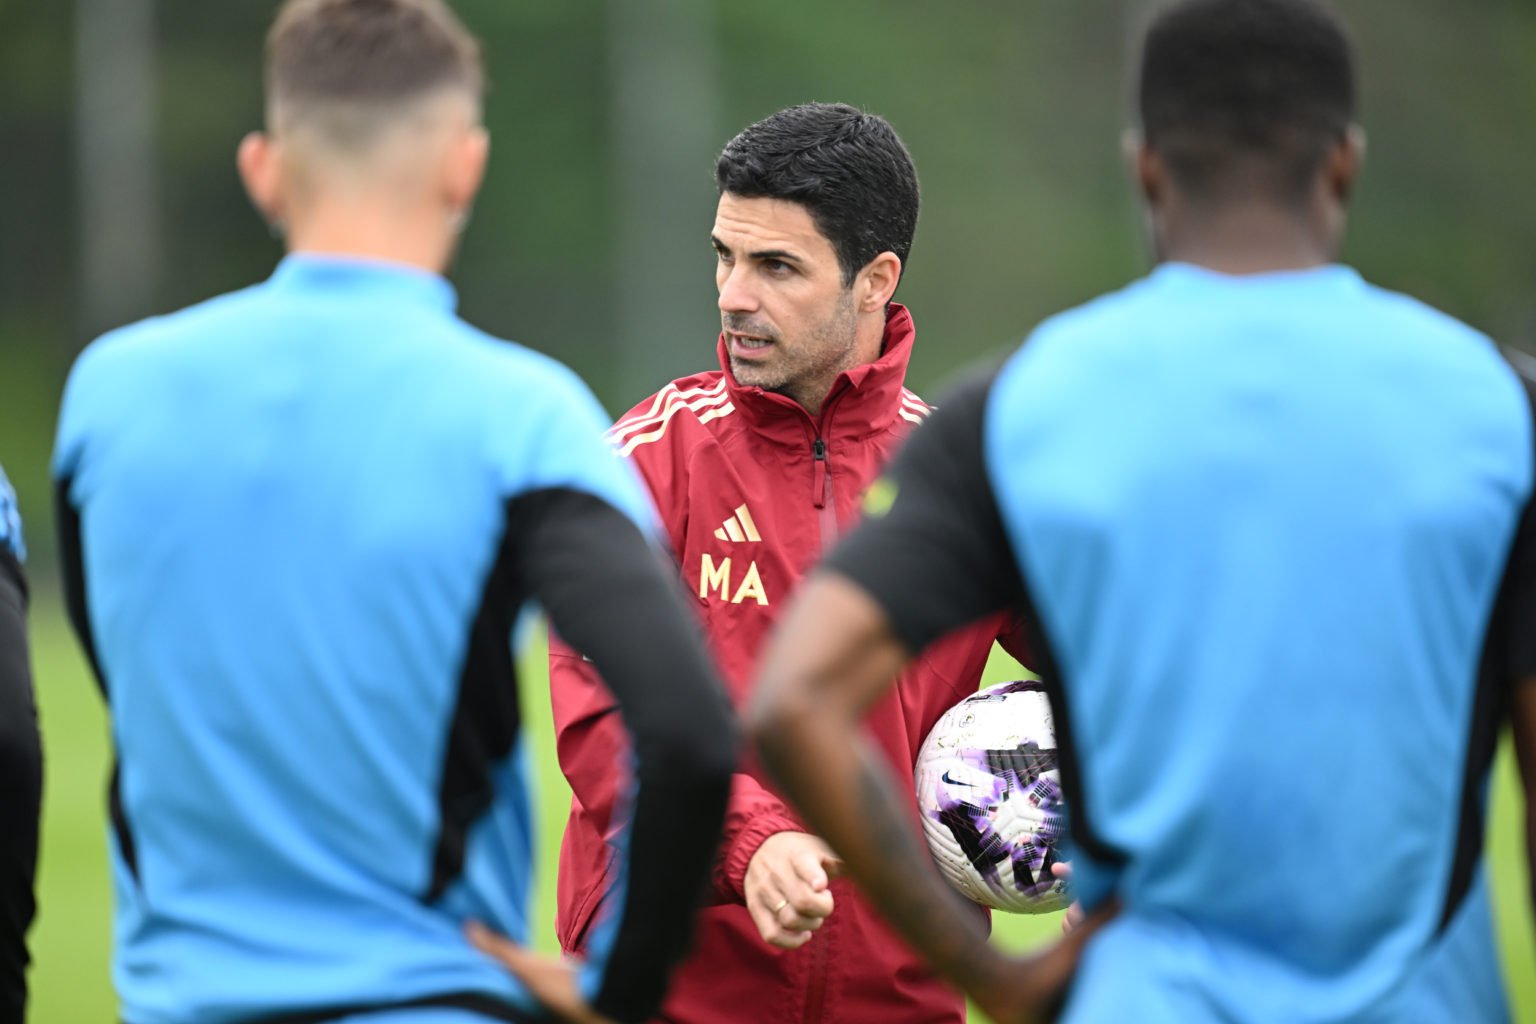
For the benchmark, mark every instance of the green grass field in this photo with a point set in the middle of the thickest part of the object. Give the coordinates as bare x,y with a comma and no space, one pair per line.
71,937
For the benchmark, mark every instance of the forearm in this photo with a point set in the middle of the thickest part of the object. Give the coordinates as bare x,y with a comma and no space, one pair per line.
754,814
1530,852
594,753
608,594
20,792
1523,721
850,798
591,742
807,721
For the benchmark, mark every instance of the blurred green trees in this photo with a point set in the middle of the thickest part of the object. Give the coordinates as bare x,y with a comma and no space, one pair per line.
590,239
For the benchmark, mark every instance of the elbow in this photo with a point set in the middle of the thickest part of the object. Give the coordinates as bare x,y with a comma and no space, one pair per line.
718,757
701,749
776,722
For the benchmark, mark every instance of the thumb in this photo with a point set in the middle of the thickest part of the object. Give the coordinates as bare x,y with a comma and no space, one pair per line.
832,864
497,946
1085,929
809,868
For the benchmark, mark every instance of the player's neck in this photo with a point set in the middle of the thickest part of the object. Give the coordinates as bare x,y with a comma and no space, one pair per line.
417,237
868,345
1250,239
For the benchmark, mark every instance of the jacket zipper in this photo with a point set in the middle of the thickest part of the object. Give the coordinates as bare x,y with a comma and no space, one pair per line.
816,985
823,499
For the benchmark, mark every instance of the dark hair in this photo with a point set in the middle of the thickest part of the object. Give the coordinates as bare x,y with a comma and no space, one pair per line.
849,170
368,52
1246,94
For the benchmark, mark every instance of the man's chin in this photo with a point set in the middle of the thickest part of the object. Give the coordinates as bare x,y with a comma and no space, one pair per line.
755,375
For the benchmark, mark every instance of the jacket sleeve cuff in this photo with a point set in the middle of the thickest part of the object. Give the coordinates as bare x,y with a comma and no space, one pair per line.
731,869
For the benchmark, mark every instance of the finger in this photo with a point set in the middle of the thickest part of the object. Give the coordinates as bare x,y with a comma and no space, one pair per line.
805,902
550,981
832,864
1052,969
787,916
1072,918
795,878
807,866
788,940
1062,869
1088,924
765,919
1066,953
779,923
494,945
772,932
790,921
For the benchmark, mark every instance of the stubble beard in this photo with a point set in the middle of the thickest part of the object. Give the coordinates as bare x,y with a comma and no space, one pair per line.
805,368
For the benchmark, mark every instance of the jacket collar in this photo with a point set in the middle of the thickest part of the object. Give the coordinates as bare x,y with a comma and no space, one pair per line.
367,277
864,400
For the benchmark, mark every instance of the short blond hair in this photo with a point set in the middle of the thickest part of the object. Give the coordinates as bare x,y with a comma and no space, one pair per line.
371,56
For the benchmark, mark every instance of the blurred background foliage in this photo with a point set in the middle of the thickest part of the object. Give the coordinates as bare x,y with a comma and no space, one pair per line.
119,121
590,238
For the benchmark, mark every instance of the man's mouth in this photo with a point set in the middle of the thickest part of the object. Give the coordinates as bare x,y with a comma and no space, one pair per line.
741,343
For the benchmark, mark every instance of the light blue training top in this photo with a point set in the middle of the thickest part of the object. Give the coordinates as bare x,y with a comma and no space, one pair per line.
1264,521
286,505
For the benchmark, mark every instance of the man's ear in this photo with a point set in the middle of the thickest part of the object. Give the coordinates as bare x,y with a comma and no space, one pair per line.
877,282
259,161
1145,166
1344,162
464,168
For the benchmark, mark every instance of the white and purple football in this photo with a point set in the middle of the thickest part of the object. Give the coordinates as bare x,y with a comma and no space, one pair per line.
989,790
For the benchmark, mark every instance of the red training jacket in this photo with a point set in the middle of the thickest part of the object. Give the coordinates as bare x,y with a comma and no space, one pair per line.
751,490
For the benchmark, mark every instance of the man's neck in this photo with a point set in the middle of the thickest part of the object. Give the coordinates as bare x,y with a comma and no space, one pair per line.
1247,240
373,230
820,388
868,346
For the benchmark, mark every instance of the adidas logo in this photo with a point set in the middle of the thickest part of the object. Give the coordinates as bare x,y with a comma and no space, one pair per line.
739,528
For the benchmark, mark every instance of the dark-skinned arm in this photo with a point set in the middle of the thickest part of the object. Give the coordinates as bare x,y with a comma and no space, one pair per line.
841,644
1524,715
1516,628
834,655
21,774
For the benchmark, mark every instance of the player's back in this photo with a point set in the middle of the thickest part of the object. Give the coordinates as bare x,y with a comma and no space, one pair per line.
1265,521
291,505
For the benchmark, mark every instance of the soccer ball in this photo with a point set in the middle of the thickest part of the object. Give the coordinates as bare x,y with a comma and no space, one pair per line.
989,791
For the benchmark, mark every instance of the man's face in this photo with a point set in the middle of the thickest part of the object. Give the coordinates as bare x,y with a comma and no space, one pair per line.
789,323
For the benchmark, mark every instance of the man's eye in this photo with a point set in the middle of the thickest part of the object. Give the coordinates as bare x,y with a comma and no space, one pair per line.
776,266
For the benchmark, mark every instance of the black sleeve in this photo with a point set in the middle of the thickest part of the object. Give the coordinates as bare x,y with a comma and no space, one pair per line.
1519,601
72,573
21,785
938,557
1516,609
614,598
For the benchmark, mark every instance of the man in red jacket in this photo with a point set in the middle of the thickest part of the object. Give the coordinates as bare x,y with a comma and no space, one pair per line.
756,469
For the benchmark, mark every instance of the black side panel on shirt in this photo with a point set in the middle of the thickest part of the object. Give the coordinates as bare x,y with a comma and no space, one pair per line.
482,1006
72,568
1509,657
486,717
1517,601
611,596
21,790
940,558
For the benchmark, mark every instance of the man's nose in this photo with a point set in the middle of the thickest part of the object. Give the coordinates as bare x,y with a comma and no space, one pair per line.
736,292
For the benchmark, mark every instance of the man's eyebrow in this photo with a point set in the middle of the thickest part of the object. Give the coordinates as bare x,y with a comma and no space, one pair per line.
775,254
760,254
